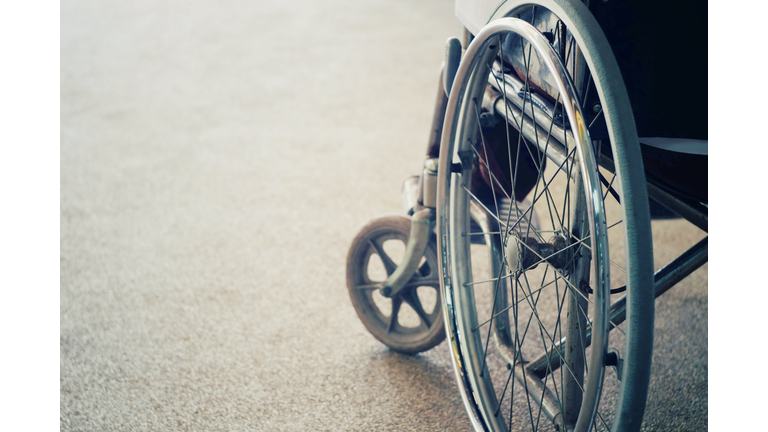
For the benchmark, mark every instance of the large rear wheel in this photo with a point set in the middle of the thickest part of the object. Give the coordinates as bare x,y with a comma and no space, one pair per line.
529,327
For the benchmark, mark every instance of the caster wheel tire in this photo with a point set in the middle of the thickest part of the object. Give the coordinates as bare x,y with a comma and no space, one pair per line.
412,321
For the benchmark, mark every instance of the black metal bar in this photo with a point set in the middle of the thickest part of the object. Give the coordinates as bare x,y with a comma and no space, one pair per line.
667,277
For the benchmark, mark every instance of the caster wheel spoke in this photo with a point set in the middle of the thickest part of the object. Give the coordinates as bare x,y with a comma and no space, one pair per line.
413,301
396,303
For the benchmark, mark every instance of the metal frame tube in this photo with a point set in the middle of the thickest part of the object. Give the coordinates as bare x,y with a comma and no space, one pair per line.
664,279
438,116
695,214
535,133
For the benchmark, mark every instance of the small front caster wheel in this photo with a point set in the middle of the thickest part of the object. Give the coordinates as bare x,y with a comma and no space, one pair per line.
412,321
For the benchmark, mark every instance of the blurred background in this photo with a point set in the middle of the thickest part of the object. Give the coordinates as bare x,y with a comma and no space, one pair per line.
217,159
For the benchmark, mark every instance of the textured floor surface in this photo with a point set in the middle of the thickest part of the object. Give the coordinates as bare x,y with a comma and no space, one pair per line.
217,159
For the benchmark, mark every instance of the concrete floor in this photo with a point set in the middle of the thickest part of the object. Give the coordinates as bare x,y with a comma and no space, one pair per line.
217,158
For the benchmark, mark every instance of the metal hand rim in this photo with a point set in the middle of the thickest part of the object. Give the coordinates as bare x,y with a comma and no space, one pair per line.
596,213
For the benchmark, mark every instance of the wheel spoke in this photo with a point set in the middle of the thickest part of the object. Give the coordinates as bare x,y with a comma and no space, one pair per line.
506,276
396,302
560,304
609,188
539,166
596,117
480,233
512,172
504,392
389,265
517,155
586,92
567,194
482,205
554,215
413,301
534,312
552,341
613,193
514,304
615,264
546,377
546,186
547,194
530,209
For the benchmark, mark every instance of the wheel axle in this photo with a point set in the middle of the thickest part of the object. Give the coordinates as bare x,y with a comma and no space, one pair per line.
526,253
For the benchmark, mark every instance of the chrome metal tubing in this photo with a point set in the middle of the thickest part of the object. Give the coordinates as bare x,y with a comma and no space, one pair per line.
664,279
510,87
429,183
681,267
535,133
515,92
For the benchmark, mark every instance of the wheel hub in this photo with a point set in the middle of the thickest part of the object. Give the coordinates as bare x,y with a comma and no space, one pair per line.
526,253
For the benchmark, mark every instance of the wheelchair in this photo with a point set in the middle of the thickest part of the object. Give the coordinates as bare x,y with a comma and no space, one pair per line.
527,240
